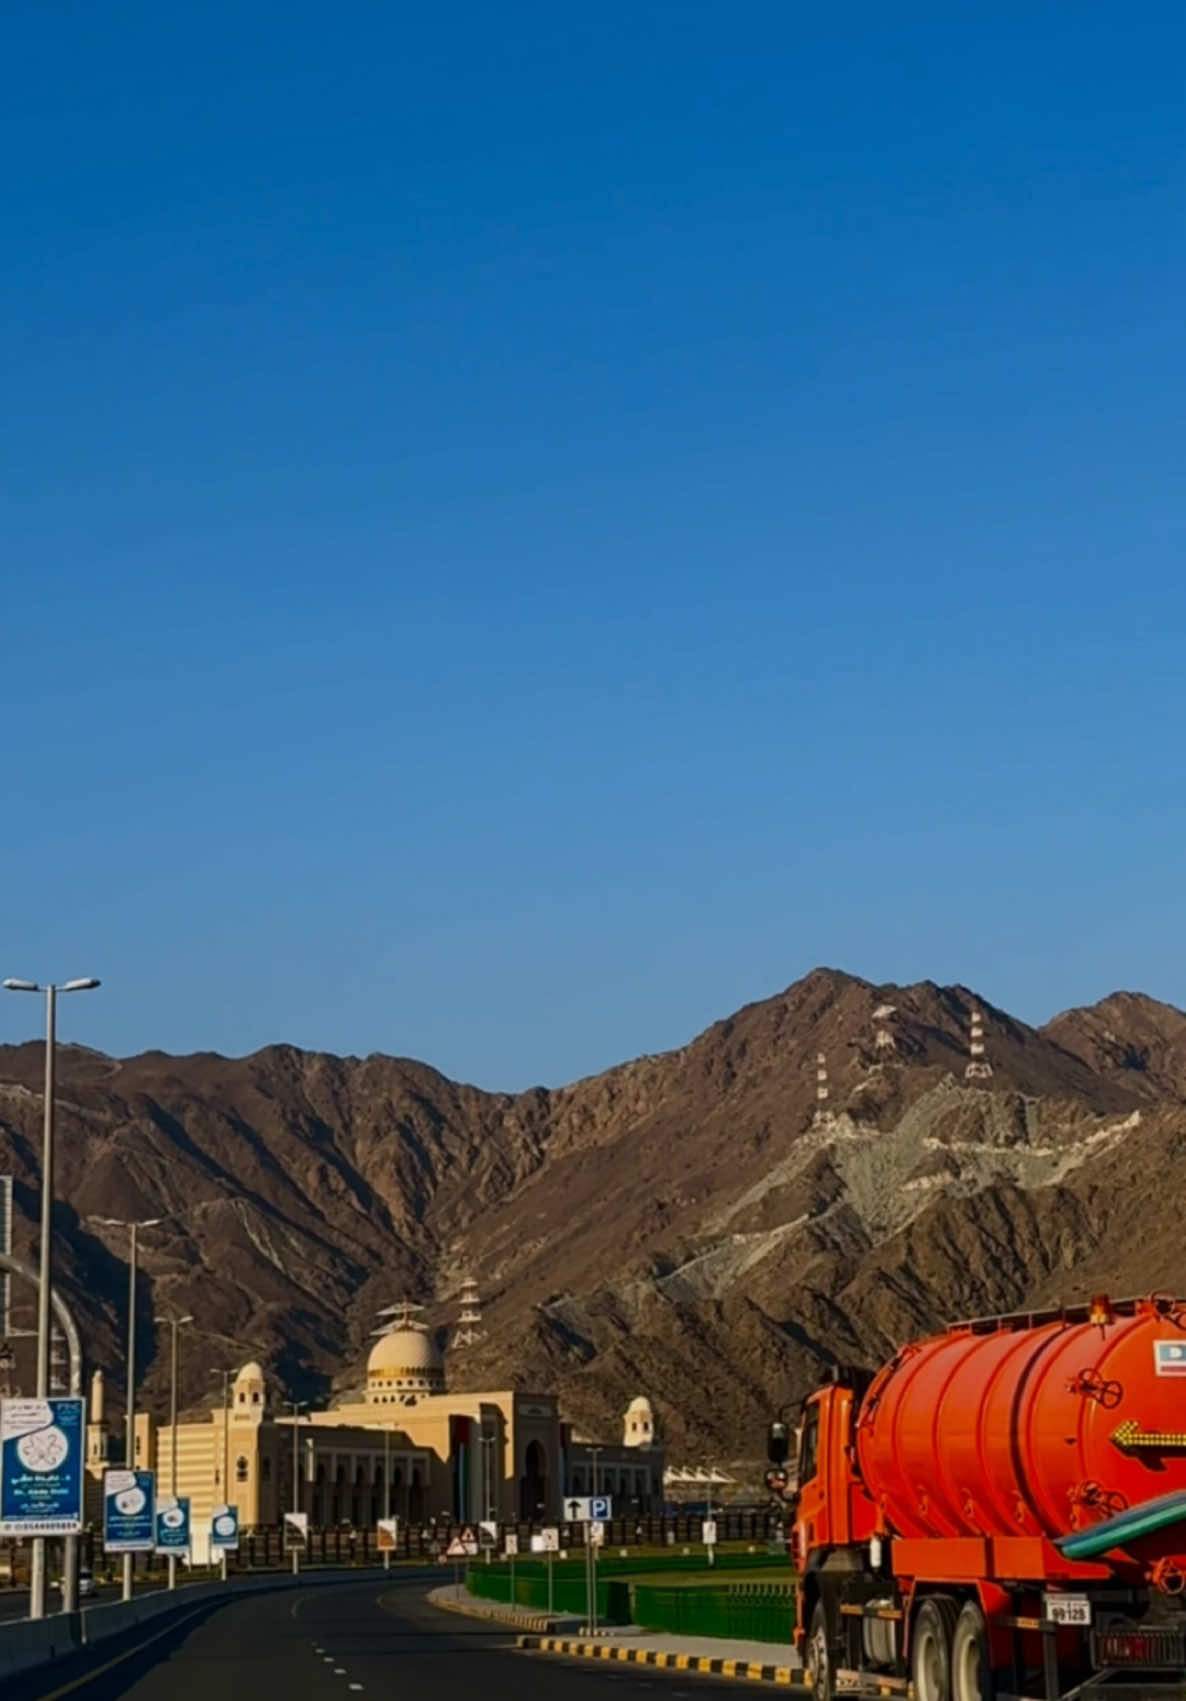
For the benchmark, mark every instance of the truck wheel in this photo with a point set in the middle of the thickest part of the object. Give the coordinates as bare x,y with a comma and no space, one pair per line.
971,1674
819,1656
930,1648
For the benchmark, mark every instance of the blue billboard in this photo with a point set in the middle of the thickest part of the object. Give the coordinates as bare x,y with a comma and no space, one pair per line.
224,1528
41,1464
172,1525
128,1498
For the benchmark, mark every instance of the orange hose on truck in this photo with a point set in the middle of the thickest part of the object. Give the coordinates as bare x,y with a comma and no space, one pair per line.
1000,1512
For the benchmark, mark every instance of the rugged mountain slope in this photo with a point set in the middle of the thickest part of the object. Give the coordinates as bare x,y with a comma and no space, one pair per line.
676,1224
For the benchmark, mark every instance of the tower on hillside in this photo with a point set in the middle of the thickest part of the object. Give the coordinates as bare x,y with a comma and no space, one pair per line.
978,1067
884,1044
823,1117
469,1328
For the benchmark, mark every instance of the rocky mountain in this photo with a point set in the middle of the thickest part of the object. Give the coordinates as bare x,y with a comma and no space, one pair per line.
676,1225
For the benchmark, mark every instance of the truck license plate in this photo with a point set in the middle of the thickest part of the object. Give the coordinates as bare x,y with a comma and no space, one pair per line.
1067,1609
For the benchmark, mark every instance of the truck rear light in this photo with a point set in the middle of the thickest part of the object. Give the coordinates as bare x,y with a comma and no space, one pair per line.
1158,1646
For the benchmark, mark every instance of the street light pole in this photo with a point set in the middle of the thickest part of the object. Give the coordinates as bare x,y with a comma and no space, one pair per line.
45,1277
296,1407
226,1449
175,1325
130,1417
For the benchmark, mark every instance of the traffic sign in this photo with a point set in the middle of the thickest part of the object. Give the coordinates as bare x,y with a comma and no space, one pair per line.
549,1541
708,1532
510,1544
172,1525
387,1535
584,1509
224,1529
41,1449
596,1532
464,1544
488,1533
128,1498
296,1532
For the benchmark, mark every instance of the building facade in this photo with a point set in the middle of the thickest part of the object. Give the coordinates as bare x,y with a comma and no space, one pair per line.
404,1446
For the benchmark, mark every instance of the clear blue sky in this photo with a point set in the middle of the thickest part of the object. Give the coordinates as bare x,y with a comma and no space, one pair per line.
526,527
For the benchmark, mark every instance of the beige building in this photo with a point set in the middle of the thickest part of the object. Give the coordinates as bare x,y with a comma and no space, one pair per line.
404,1442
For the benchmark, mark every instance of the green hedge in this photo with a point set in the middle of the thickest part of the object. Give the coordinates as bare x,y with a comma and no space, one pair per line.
706,1606
745,1612
569,1593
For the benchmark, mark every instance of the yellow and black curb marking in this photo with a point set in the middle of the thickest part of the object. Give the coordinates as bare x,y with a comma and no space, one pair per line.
516,1620
785,1676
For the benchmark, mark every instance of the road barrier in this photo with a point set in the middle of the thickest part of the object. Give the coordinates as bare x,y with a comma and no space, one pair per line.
26,1643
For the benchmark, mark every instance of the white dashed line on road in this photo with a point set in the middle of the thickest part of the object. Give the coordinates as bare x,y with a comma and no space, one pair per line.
339,1671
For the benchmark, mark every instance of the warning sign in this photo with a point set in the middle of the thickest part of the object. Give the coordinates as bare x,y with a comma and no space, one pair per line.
464,1544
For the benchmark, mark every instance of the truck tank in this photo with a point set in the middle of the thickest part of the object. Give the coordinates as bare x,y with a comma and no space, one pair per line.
1035,1426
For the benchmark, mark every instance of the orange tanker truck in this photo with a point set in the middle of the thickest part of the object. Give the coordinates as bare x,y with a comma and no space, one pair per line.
1000,1513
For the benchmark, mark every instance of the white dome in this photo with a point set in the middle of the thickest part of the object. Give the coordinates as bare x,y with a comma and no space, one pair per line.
639,1403
404,1352
251,1372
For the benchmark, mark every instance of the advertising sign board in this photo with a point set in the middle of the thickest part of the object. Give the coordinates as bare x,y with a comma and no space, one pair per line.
224,1529
172,1524
41,1458
128,1500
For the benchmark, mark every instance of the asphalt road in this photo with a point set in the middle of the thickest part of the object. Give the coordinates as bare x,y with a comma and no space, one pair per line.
349,1641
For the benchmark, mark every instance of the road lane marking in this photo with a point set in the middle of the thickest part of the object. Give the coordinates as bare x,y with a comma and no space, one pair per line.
339,1671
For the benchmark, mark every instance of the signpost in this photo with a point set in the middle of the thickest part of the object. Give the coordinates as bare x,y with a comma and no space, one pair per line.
510,1549
296,1534
586,1509
128,1501
224,1529
463,1546
41,1454
549,1543
172,1526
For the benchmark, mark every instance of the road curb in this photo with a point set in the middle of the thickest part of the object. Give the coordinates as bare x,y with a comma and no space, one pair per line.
742,1670
539,1622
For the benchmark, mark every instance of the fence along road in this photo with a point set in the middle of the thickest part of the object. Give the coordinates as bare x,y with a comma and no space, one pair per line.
351,1641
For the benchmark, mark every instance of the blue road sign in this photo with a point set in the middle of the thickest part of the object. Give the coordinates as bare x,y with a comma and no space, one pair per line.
224,1528
172,1525
599,1508
41,1457
128,1498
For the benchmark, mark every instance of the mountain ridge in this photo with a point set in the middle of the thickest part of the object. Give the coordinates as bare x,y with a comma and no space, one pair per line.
674,1224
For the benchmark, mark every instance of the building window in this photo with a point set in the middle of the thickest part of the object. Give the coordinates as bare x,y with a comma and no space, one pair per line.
240,1469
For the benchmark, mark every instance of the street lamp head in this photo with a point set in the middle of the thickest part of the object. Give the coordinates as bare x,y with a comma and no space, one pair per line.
11,985
86,984
127,1222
